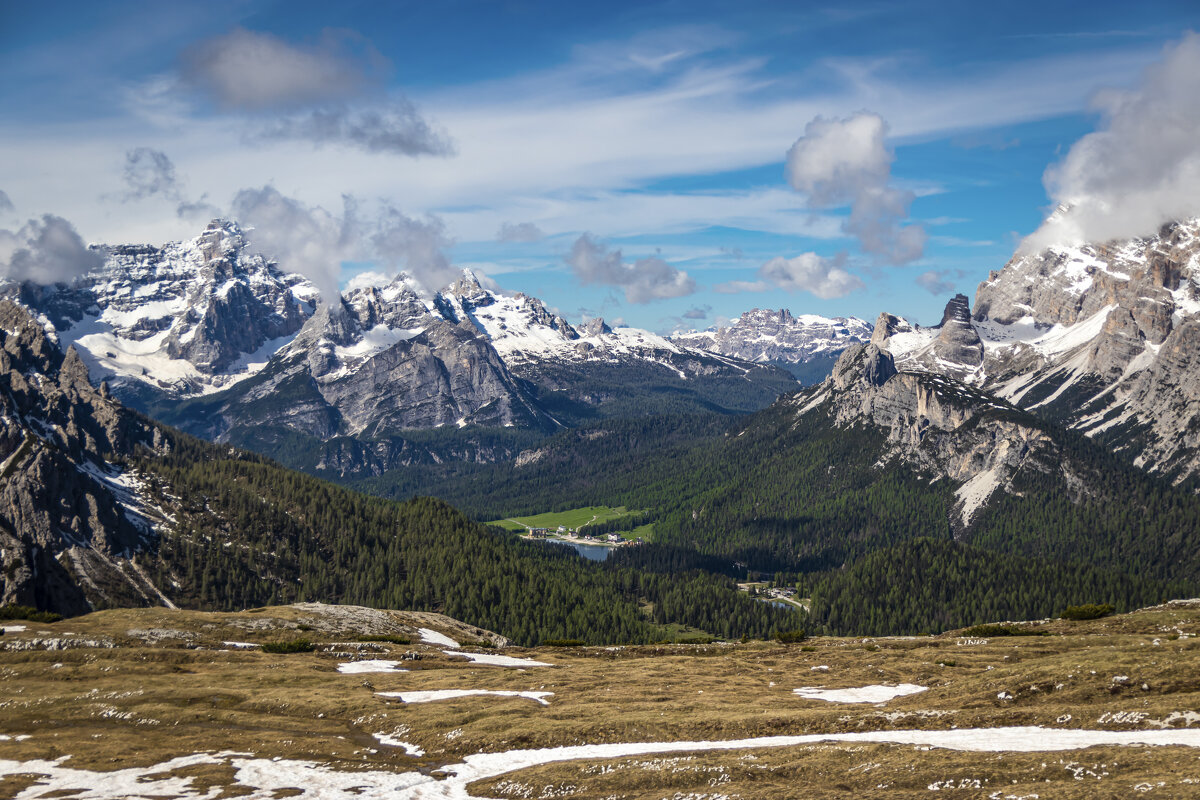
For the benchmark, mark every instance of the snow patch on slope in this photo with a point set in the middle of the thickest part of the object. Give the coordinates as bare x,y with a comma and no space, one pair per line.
267,777
975,493
877,693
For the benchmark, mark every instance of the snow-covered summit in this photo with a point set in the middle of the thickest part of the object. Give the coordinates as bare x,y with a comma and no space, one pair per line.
524,331
187,318
1104,337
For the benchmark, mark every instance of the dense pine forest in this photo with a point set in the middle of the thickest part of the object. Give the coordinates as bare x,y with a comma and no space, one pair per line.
250,533
874,543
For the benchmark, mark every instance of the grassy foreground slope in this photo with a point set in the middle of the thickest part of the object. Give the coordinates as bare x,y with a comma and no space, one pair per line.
105,688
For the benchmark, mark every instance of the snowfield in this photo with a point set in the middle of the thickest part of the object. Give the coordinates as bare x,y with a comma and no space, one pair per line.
499,660
433,637
862,694
266,777
388,740
369,665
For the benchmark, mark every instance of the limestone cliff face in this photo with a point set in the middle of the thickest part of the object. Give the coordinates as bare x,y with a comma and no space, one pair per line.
934,424
1098,337
1124,367
69,519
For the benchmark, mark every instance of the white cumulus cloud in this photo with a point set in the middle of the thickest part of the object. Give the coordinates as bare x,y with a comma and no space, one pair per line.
1141,167
644,280
818,275
45,251
840,162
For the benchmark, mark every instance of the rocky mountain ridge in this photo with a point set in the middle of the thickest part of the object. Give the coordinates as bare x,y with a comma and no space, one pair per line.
1101,338
189,318
938,426
72,517
216,339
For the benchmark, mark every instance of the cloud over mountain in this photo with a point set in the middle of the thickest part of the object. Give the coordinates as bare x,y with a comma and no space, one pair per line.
808,272
314,241
935,282
46,251
249,71
519,232
149,172
1141,167
327,93
840,162
644,280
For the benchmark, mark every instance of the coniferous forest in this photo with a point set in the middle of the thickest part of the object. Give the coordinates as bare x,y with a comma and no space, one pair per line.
250,533
875,545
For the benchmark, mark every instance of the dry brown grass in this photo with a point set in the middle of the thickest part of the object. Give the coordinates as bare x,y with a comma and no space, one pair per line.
155,696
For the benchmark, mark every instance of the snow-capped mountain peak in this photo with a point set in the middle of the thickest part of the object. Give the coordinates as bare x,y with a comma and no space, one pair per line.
1102,337
186,318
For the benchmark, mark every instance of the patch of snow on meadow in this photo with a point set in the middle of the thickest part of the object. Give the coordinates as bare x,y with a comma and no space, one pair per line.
12,628
241,645
861,694
433,695
369,665
433,637
499,660
268,776
389,740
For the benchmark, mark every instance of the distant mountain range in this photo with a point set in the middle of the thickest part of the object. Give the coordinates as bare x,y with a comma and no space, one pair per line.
102,507
807,346
219,341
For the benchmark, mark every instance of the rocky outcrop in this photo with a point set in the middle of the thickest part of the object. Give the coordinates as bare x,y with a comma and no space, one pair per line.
887,326
69,519
934,424
957,341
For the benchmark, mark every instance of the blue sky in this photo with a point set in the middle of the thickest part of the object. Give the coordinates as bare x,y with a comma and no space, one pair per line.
659,130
